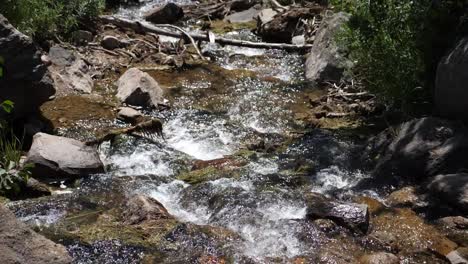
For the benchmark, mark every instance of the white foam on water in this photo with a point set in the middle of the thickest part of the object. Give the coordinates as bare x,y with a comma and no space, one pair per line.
225,183
140,162
168,194
45,219
264,166
199,140
333,178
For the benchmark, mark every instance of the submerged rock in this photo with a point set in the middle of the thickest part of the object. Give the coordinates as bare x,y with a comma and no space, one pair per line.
166,14
61,158
136,87
20,244
351,215
404,197
452,188
142,208
24,78
326,61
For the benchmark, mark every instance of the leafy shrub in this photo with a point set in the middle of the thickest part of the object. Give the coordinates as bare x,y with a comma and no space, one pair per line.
12,174
47,18
397,44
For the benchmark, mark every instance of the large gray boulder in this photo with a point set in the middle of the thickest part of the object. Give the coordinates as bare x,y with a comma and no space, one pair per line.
20,244
70,72
57,158
351,215
417,149
25,79
326,61
136,87
452,188
451,87
166,14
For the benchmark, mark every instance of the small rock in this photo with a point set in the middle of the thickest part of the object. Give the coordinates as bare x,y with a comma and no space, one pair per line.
110,42
458,222
60,158
452,188
139,88
298,40
166,14
130,115
350,215
244,16
82,37
266,15
142,208
379,258
325,225
34,188
404,197
457,257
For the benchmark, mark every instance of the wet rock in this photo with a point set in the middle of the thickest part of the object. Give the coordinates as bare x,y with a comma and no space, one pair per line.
19,244
450,86
403,230
350,215
340,250
142,208
166,14
25,79
61,158
139,88
374,205
455,228
281,27
379,258
219,163
69,71
403,197
82,37
326,61
416,150
130,115
452,188
244,16
34,188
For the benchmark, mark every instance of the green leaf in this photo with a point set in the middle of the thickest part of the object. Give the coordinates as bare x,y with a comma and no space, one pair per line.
7,106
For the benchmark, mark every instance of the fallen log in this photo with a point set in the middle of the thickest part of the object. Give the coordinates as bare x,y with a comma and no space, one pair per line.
147,129
140,26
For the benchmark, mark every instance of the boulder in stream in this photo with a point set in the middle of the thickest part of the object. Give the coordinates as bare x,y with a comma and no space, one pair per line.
452,188
24,78
20,244
326,61
141,208
136,87
110,42
351,215
61,158
128,114
166,14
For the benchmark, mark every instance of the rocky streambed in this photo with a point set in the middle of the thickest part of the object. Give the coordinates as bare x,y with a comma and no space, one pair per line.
255,165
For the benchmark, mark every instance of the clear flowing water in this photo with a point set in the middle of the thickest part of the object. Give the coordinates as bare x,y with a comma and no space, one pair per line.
264,203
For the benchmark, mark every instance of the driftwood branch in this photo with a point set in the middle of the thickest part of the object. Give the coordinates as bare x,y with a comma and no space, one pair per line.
147,128
187,35
146,27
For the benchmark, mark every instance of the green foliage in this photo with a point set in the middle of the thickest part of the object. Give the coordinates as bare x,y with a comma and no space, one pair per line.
383,38
46,18
12,174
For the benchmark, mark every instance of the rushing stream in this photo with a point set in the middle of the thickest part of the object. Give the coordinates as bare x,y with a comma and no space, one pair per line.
214,116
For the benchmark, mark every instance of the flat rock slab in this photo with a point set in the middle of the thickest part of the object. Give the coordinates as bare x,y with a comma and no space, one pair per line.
62,158
20,244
